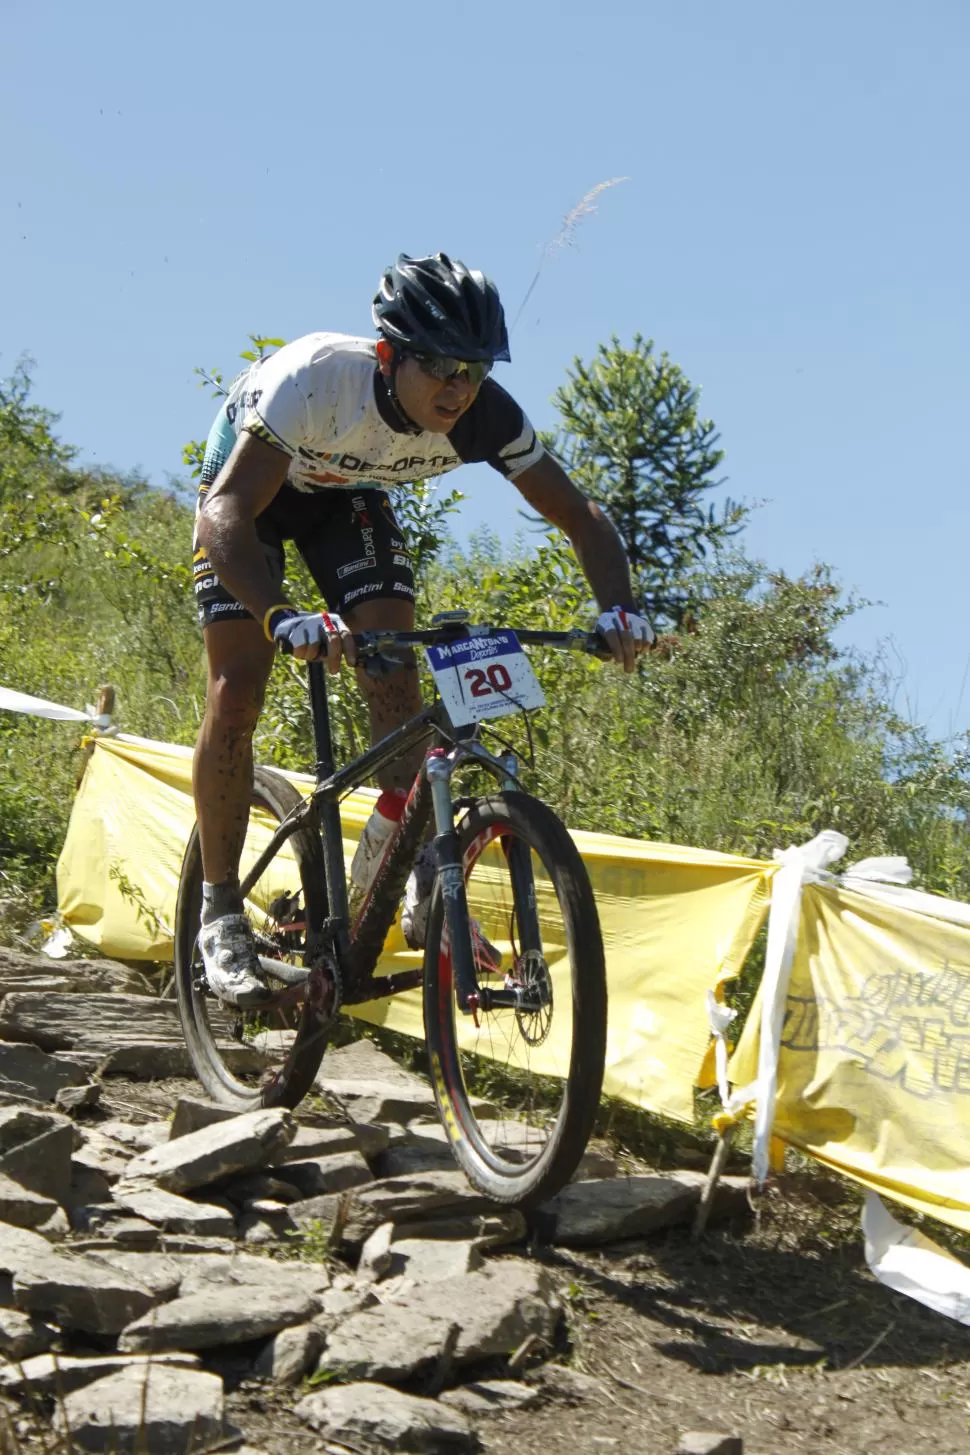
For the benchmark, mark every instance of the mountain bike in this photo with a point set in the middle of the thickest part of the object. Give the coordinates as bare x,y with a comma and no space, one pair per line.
528,1032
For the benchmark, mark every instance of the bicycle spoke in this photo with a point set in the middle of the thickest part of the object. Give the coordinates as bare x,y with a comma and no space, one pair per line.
521,1056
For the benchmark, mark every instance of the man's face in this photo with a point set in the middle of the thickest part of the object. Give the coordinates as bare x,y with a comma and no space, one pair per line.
433,404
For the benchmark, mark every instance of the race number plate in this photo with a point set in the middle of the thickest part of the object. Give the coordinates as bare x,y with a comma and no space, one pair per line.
483,677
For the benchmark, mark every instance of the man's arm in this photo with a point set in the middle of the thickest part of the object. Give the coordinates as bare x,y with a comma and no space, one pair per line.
594,538
244,487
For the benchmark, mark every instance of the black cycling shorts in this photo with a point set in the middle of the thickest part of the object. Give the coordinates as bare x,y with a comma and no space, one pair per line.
350,540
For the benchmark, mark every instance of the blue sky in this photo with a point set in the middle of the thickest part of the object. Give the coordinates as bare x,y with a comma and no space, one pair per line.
794,232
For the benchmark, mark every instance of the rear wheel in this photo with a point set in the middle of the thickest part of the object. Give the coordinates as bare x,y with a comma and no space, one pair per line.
518,1091
267,1056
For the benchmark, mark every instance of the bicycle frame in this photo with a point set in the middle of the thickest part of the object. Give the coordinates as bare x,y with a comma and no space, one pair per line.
430,794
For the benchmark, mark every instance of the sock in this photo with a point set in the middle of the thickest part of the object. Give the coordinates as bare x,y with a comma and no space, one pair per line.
220,899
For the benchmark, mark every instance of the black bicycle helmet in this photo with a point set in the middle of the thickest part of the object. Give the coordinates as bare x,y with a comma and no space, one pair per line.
436,306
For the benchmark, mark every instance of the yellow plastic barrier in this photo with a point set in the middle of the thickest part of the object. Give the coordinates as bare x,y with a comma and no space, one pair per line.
675,921
874,1068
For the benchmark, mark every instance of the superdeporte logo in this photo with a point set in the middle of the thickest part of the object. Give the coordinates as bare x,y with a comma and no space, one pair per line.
407,467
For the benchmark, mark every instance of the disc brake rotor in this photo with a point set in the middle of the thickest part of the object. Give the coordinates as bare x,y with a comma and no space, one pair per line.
531,975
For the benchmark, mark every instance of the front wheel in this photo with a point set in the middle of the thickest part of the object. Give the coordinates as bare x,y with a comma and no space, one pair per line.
268,1056
518,1085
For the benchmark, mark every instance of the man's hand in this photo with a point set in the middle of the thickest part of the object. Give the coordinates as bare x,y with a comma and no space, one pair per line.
312,634
626,634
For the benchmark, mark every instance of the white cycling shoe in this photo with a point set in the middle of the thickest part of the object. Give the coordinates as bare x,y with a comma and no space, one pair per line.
231,964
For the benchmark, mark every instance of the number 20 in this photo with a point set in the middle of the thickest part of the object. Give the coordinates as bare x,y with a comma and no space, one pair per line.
485,681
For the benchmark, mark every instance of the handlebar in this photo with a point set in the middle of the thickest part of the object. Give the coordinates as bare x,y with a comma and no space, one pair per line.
371,643
373,646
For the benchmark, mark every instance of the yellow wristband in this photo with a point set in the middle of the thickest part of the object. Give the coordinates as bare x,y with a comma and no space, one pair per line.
280,606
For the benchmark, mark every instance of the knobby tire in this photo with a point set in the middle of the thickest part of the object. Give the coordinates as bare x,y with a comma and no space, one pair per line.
514,816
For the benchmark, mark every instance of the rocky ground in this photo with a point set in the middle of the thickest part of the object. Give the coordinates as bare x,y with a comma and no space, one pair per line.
177,1279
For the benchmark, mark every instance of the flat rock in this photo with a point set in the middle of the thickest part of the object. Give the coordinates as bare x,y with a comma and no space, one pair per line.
44,1164
373,1416
411,1158
160,1273
494,1310
394,1200
56,1227
389,1342
569,1383
326,1141
489,1395
596,1162
377,1101
108,1220
214,1152
374,1262
587,1214
227,1315
371,1085
203,1271
22,1335
76,1099
172,1272
137,1035
340,1303
429,1260
67,1288
498,1306
159,1408
103,1154
709,1442
48,1376
26,1070
160,1241
192,1114
88,1185
135,1136
21,971
496,1229
361,1060
290,1354
77,1293
264,1229
21,1206
20,1124
178,1214
317,1176
93,1023
17,1243
144,1060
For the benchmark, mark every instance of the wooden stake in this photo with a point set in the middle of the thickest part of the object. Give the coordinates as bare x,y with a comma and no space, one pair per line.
718,1163
104,707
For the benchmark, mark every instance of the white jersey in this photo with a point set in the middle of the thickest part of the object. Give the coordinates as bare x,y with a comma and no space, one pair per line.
323,401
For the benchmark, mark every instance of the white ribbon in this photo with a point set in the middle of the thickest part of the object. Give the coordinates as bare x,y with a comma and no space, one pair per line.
906,1260
720,1017
799,865
38,707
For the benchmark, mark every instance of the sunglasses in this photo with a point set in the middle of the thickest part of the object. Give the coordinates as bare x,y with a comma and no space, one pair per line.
444,369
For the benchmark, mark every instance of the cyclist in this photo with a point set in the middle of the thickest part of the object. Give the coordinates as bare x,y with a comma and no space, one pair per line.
304,449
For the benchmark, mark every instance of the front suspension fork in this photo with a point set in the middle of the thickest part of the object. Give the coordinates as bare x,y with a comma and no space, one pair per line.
471,996
451,878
